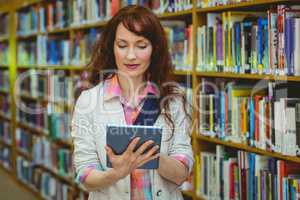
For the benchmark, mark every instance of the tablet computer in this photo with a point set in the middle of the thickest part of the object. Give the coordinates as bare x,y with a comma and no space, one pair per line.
118,138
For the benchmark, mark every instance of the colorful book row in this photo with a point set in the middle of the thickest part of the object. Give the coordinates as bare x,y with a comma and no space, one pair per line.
224,174
266,119
251,42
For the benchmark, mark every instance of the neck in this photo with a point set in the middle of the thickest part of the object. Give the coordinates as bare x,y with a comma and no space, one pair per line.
130,85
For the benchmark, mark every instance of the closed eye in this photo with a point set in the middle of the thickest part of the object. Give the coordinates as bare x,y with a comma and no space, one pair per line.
122,46
142,47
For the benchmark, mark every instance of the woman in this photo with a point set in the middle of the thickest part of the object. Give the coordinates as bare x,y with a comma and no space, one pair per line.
131,61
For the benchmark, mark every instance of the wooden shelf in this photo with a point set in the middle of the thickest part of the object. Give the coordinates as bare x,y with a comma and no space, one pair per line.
245,147
29,97
60,142
26,66
95,24
45,101
2,116
41,132
24,154
182,73
3,39
192,195
27,3
89,25
248,4
199,198
27,36
3,143
57,30
175,14
56,175
4,91
248,76
64,30
37,131
60,67
4,168
188,193
52,67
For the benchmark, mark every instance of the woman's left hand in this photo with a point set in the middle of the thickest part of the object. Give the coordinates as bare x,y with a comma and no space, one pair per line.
131,159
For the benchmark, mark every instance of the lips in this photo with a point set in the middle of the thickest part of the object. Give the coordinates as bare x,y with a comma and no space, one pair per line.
131,66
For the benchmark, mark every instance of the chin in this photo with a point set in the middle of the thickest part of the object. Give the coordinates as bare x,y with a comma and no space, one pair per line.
133,73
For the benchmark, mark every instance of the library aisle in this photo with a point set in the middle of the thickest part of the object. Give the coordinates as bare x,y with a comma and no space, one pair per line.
9,189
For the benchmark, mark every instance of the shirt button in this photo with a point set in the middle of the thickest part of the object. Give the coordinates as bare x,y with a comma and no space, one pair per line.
158,193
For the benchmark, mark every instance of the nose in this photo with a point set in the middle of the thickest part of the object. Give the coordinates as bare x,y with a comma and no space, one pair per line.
131,54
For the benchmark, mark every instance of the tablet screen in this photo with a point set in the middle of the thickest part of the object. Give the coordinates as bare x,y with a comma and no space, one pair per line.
118,138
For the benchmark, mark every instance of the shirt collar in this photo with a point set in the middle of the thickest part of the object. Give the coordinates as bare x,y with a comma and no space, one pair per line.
112,89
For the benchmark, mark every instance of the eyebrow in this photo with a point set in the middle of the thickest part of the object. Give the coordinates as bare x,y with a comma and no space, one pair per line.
140,40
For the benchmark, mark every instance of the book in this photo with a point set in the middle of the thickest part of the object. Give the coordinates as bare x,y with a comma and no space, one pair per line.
225,174
26,53
118,138
42,181
4,54
27,21
5,106
213,3
179,40
5,157
4,24
250,42
4,78
5,132
297,47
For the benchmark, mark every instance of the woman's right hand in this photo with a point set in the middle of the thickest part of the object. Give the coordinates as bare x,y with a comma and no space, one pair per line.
124,164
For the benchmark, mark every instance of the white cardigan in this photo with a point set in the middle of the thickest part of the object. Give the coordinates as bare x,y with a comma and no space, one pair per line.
93,111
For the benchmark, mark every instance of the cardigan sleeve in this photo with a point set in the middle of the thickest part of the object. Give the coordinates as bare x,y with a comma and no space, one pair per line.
85,158
181,148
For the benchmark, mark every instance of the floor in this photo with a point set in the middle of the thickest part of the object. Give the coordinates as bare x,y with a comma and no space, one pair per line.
9,189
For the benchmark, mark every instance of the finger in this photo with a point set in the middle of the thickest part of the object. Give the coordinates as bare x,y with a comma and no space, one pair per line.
151,152
144,146
142,162
132,145
109,152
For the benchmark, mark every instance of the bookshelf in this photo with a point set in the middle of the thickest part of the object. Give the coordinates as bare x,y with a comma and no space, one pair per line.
69,34
241,5
214,142
248,76
245,147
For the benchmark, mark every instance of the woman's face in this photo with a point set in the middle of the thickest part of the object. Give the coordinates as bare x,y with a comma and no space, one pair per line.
132,53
